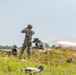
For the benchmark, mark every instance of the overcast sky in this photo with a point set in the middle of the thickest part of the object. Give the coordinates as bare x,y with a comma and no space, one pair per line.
52,20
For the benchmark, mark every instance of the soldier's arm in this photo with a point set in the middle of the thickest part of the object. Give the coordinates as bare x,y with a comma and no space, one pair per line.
24,30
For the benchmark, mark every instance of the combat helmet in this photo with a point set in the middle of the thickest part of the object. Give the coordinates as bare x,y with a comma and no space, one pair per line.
29,26
14,46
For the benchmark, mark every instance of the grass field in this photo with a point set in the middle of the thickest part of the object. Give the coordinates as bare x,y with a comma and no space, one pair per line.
54,62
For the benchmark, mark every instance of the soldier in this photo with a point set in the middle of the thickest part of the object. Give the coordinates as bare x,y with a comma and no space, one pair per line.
28,40
14,50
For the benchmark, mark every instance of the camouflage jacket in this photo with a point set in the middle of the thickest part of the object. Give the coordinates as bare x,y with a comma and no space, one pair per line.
28,34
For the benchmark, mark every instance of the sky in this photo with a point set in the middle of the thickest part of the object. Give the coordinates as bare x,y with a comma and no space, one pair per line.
52,20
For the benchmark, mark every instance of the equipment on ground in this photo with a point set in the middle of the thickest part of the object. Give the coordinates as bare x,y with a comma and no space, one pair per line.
38,43
33,69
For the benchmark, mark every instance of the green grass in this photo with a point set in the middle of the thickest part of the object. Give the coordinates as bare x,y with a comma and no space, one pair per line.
54,62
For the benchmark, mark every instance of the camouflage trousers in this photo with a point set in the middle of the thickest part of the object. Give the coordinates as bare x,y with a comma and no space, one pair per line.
27,47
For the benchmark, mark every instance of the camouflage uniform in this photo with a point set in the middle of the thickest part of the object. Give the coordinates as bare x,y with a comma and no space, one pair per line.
28,40
14,50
